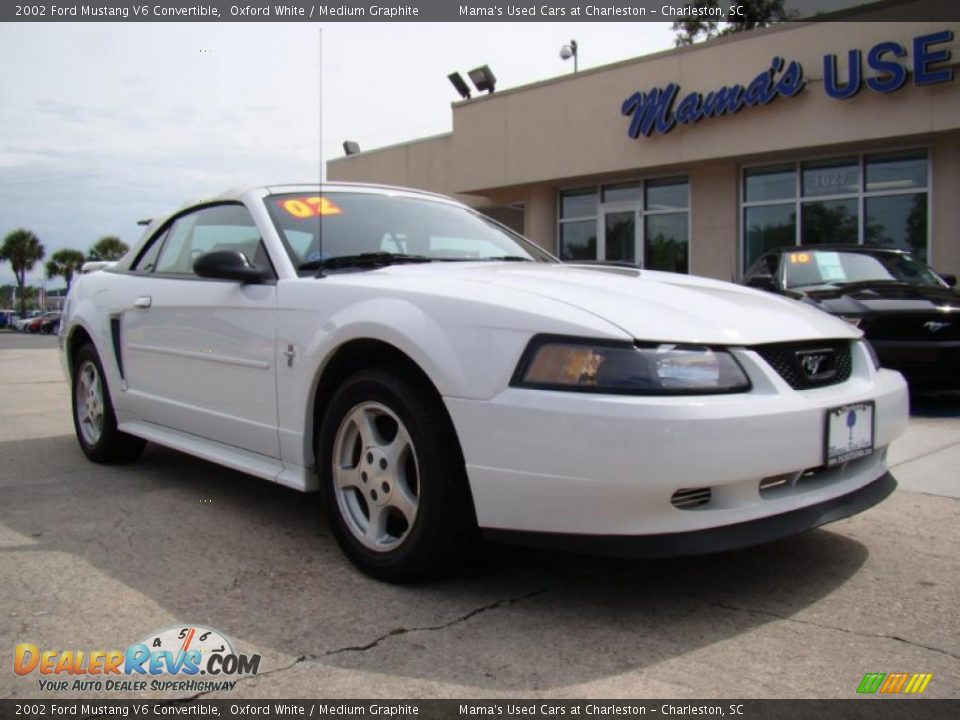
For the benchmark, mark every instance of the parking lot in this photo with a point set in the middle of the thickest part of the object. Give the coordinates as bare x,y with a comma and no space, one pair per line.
95,557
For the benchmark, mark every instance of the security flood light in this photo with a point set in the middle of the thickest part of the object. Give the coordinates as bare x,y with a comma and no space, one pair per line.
351,147
459,84
483,79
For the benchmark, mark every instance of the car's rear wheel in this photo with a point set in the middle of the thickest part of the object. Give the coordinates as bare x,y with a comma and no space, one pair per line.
393,476
93,416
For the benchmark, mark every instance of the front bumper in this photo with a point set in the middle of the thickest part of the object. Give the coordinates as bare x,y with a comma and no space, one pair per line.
603,465
710,540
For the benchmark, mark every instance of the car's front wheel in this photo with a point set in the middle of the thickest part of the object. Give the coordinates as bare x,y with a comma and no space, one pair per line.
393,476
93,416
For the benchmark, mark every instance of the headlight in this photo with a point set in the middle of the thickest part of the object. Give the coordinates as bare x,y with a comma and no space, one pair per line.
553,363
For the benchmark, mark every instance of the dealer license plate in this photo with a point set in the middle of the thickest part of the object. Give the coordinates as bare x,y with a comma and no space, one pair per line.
849,433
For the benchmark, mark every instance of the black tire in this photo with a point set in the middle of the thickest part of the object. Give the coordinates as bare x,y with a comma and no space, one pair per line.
444,523
94,420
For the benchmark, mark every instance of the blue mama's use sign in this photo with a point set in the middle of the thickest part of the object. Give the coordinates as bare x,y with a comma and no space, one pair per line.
658,110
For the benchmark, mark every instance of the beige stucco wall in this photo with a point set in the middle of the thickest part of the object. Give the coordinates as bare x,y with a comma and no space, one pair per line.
713,220
522,145
422,164
540,218
574,127
945,214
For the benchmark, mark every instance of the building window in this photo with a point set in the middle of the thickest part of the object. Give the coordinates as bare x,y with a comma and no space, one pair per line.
578,240
666,225
646,223
872,199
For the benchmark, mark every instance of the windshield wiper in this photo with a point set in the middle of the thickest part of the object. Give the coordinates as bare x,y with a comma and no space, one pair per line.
855,284
493,258
371,259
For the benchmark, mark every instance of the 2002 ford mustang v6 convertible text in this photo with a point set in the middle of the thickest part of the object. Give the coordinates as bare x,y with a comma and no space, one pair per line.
433,373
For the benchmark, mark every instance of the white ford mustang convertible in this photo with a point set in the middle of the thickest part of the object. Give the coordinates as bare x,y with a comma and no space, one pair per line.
438,378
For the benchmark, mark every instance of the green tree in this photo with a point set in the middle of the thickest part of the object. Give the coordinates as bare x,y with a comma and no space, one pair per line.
21,249
7,294
65,263
31,298
756,14
108,248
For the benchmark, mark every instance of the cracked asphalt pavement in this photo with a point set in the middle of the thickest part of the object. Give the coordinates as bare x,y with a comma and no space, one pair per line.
96,558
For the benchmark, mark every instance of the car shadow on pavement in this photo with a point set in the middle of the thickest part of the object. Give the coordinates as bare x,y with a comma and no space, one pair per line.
255,560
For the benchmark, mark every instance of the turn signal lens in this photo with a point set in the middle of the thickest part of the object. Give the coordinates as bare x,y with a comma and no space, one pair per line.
565,365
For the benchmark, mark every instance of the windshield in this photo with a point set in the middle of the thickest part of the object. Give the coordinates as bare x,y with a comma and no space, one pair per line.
319,229
822,267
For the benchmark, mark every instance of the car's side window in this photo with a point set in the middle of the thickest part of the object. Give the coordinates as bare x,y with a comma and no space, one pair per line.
147,262
218,227
175,256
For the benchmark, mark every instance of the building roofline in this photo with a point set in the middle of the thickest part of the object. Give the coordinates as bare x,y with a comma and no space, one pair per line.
786,25
394,146
696,47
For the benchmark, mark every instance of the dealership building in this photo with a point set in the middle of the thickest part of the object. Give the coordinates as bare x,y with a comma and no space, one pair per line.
701,158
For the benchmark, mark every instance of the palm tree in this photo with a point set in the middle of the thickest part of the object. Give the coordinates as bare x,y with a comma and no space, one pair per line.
21,249
108,248
65,263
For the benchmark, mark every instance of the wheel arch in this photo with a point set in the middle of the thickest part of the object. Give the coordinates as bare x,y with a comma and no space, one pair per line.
77,337
351,356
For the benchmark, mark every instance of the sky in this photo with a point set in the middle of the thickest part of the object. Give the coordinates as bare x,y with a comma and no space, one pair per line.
104,124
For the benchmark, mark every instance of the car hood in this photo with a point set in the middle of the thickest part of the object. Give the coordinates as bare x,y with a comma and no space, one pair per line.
647,305
865,298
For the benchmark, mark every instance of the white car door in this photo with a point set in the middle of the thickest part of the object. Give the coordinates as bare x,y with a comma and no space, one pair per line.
198,353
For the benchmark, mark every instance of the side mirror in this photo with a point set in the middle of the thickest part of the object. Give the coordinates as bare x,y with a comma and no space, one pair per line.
228,265
949,278
763,282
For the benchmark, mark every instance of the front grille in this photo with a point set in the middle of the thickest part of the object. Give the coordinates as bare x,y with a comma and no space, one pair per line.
914,326
690,498
787,360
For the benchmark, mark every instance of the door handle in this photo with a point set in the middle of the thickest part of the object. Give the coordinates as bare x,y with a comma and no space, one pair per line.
144,301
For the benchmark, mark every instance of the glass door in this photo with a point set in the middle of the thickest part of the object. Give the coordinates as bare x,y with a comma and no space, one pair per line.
620,234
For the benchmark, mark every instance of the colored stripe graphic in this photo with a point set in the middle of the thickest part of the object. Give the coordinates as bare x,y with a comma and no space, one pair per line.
919,682
871,682
895,682
892,683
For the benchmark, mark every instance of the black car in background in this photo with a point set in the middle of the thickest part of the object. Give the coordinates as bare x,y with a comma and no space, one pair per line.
909,313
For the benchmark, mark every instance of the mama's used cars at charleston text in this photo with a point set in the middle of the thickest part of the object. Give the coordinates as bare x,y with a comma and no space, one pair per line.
433,373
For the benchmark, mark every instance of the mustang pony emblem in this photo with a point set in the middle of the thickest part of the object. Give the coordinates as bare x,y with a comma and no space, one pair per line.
812,363
935,326
815,363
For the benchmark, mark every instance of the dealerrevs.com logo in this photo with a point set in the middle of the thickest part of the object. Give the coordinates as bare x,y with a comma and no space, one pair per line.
178,659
